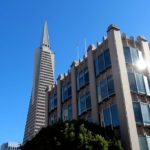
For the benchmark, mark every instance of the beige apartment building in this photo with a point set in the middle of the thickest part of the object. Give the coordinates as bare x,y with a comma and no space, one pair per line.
109,86
43,76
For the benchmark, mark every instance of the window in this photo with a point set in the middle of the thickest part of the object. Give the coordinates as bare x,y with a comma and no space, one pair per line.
88,100
101,118
67,112
96,64
82,78
142,143
127,54
89,118
64,112
140,83
137,112
105,88
140,55
141,112
148,141
110,82
107,58
132,81
132,55
79,106
84,103
69,90
53,118
66,91
107,119
78,86
146,85
102,62
145,113
86,75
99,93
114,115
110,116
53,102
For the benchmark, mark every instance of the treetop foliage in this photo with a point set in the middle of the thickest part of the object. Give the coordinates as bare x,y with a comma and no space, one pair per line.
74,135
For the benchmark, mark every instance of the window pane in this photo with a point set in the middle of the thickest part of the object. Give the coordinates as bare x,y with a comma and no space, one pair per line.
79,107
99,93
107,58
146,85
140,83
101,62
64,93
96,66
101,118
65,112
86,75
107,120
78,82
49,107
134,53
88,101
81,78
132,81
69,91
52,102
114,115
104,90
145,113
110,83
55,101
142,142
148,141
127,55
69,112
140,55
89,118
82,103
137,112
55,117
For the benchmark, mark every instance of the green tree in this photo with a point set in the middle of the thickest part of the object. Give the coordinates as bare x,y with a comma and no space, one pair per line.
74,135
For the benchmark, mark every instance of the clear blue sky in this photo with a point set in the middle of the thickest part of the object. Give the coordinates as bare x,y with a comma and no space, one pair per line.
69,23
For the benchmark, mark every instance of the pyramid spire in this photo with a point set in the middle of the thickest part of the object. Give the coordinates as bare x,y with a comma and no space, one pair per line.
45,36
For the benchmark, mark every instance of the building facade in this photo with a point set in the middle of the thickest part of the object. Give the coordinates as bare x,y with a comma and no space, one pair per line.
43,76
109,86
10,146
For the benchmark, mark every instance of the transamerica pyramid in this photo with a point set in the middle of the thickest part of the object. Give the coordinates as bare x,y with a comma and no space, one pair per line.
43,76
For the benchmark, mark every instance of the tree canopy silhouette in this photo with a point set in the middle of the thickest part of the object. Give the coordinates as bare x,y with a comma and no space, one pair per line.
74,135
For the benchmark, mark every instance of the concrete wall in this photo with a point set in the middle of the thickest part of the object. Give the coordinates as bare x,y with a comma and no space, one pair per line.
123,95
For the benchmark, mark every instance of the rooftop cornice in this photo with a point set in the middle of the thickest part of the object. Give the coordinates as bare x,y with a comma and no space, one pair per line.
142,38
113,27
91,47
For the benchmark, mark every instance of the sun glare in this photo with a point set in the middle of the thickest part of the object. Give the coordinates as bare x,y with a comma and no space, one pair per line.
141,64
